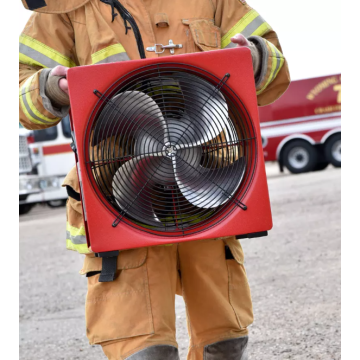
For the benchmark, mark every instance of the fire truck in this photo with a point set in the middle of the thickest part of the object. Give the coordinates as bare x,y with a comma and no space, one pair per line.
45,157
302,130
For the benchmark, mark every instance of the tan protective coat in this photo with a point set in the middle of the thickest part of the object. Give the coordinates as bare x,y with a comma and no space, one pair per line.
74,35
77,32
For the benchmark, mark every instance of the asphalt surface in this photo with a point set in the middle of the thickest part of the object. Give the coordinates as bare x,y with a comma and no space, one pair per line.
294,275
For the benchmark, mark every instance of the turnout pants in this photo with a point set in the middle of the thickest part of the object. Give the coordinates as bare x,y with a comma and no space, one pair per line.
135,313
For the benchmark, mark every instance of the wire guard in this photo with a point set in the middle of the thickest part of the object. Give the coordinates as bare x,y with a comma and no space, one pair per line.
170,151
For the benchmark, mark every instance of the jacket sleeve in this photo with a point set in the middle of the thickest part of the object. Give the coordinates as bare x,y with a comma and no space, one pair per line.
236,16
46,41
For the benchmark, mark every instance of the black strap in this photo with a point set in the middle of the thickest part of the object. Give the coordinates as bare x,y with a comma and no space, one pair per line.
35,4
128,18
72,193
228,254
92,273
109,265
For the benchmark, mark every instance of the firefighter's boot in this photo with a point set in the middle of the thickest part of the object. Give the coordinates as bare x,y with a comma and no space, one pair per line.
157,352
233,349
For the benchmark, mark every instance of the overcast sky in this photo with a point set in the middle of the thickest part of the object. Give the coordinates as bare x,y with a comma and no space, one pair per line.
309,33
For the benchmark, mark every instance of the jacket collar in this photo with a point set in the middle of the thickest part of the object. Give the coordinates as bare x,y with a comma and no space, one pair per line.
53,6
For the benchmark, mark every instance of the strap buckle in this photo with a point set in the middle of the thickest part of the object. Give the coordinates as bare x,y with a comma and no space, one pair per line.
109,265
160,48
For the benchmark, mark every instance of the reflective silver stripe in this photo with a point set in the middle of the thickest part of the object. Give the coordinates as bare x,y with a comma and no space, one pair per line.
250,29
279,57
37,56
31,113
77,240
115,58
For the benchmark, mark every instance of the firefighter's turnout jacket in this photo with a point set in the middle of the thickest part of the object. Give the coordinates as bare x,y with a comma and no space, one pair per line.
83,32
133,317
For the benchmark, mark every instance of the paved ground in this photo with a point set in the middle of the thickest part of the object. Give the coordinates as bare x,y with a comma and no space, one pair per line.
294,275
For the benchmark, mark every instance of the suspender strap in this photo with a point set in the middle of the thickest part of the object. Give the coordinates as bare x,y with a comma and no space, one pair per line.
72,193
109,265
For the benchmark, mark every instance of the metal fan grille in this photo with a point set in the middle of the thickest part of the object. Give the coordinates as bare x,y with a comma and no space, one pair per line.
170,149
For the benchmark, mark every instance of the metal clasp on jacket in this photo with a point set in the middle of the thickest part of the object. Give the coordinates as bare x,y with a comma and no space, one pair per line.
160,48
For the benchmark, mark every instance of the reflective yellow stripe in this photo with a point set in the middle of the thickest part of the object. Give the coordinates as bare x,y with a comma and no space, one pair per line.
29,109
34,109
28,61
273,67
277,63
262,30
41,54
246,25
282,60
80,248
23,107
74,231
107,52
76,239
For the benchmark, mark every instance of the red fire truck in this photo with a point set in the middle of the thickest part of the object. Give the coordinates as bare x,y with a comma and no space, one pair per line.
302,130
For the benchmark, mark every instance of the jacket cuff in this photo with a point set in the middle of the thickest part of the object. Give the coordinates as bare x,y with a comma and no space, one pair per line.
60,112
256,58
271,62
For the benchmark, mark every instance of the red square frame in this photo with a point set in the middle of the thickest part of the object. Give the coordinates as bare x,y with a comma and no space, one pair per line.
98,219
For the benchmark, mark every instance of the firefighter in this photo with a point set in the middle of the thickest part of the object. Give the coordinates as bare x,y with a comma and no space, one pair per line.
133,317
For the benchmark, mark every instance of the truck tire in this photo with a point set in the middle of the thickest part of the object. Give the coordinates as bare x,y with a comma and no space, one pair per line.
321,166
299,157
333,150
56,203
25,208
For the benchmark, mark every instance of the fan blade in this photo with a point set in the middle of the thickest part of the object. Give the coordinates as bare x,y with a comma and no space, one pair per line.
131,114
207,188
184,132
206,112
146,145
133,186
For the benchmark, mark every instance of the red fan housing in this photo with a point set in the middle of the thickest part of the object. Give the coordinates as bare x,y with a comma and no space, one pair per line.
169,150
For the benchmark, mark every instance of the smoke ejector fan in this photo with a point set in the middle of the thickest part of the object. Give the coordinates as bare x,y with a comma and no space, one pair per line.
167,150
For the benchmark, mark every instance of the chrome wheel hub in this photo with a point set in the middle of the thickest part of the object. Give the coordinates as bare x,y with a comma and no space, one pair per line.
336,150
298,157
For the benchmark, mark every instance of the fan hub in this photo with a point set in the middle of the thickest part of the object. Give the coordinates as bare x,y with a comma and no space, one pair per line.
169,150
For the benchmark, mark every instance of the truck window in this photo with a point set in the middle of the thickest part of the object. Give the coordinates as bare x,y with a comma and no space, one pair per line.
65,125
48,134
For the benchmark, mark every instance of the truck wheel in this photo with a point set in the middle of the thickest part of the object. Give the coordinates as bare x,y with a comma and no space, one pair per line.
25,208
56,203
333,150
321,166
299,156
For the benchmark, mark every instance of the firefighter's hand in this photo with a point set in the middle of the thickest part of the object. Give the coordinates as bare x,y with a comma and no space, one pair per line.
61,71
57,86
242,41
